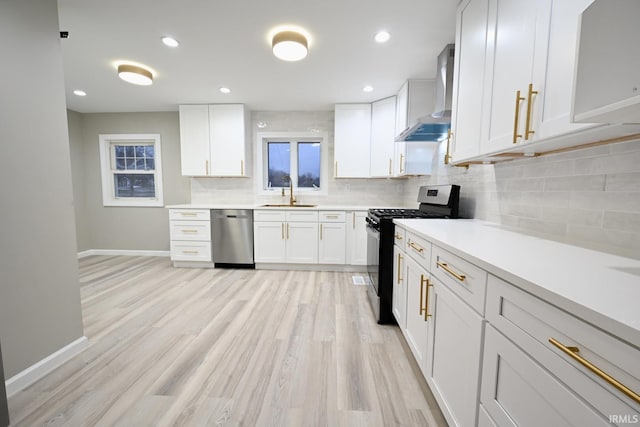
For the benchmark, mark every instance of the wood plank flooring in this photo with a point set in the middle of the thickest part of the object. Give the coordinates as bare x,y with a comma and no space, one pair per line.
214,347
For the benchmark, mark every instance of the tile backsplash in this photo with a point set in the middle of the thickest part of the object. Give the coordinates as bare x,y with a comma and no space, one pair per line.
588,197
357,192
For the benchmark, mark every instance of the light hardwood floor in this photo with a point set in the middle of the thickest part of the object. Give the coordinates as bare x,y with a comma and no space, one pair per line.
223,347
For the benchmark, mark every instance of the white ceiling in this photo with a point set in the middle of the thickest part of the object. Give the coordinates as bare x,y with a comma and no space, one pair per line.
225,43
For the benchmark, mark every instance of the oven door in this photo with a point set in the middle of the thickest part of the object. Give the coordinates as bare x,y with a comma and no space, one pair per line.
373,254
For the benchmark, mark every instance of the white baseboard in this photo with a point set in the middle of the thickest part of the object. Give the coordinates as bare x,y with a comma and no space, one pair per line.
313,267
33,373
122,252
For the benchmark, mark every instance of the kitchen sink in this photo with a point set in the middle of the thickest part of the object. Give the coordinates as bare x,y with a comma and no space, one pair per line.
288,206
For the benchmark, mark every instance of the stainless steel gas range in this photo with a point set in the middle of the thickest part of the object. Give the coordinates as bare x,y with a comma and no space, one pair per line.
437,201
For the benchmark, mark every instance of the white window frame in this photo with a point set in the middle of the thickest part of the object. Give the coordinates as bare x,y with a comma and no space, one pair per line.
262,169
109,198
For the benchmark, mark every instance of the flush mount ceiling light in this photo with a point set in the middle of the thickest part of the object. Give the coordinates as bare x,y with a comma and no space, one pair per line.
170,41
135,74
382,36
289,45
367,88
225,90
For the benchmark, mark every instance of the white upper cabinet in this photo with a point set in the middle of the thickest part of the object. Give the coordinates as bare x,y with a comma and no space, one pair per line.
468,79
352,141
383,127
213,140
607,79
416,98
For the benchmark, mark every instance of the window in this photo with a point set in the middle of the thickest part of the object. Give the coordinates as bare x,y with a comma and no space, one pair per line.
131,170
295,157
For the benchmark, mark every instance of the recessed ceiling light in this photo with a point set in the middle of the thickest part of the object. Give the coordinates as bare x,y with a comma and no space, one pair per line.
79,92
225,90
382,36
135,74
367,88
170,41
262,125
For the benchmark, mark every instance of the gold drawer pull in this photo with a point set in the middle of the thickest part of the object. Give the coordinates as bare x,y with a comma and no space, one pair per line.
415,247
399,268
188,213
189,231
448,269
573,353
398,236
189,252
320,231
332,216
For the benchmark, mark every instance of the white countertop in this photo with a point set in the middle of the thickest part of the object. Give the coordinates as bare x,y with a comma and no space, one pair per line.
261,206
600,288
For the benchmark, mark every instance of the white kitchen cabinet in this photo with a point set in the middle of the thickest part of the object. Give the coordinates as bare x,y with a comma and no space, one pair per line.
213,140
302,242
417,315
383,124
416,98
414,158
399,299
454,351
357,238
352,140
607,81
269,244
190,236
468,79
332,247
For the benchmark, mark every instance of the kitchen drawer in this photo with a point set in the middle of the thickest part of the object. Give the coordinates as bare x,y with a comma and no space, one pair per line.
190,230
302,216
190,214
531,323
331,216
463,278
268,216
418,248
399,237
191,251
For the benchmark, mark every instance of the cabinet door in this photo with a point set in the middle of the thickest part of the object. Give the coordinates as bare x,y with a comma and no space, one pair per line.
468,79
453,356
357,238
518,28
553,111
194,140
383,123
352,140
269,242
517,391
399,300
417,282
302,242
332,244
227,136
402,107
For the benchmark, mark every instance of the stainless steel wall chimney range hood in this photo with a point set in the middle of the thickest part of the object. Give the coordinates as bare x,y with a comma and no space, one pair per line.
435,126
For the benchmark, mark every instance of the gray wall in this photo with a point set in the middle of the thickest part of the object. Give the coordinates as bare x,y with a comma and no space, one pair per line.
128,228
39,294
588,197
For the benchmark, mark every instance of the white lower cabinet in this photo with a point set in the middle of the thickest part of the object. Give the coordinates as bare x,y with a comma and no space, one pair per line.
418,285
190,235
454,349
332,244
399,299
285,236
302,242
356,238
269,244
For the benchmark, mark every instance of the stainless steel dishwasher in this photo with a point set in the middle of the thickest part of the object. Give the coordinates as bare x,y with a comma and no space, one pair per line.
232,237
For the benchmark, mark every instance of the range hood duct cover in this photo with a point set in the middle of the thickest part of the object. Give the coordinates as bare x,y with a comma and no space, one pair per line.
435,126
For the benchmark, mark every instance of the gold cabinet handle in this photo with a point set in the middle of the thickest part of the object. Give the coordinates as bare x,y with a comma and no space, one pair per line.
332,216
527,128
415,247
448,269
354,219
426,302
573,353
189,231
188,213
401,163
447,154
282,230
242,167
206,166
398,236
421,294
189,252
320,231
516,135
287,231
390,163
399,268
